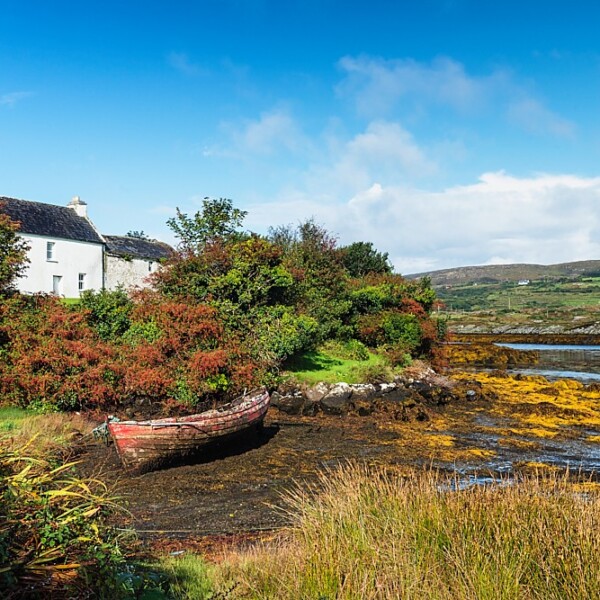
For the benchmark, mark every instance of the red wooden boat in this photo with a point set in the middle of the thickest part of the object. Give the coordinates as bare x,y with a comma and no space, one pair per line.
148,444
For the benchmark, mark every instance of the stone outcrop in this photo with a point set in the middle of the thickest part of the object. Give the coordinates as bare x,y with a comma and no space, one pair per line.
406,398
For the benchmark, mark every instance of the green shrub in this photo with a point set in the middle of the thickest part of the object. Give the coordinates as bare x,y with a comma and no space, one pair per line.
109,312
350,350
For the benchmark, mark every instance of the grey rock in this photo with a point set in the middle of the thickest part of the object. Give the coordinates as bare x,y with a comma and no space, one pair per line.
317,392
291,404
363,391
275,398
310,408
385,388
337,400
400,394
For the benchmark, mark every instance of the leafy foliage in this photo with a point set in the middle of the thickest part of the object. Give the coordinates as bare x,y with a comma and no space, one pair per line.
52,358
54,539
361,258
13,253
225,313
320,281
109,312
217,220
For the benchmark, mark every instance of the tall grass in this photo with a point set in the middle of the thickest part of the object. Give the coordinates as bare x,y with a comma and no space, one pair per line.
53,432
53,533
368,535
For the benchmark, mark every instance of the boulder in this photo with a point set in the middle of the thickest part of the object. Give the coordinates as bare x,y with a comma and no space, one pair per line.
385,388
363,391
433,394
290,404
393,392
317,392
310,408
337,399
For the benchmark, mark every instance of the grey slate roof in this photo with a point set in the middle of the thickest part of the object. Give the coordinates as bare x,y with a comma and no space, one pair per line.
131,247
49,220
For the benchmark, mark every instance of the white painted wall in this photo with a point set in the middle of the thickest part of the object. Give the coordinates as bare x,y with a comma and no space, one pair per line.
70,258
127,273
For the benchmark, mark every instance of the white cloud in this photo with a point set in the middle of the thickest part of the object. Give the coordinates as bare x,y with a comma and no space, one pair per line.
377,85
383,152
498,219
273,132
12,98
381,87
162,209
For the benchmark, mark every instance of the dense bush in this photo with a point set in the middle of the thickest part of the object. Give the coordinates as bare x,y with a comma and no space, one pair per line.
109,312
224,314
361,259
13,254
52,359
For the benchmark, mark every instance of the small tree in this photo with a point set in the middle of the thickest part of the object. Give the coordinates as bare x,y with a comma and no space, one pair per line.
360,258
218,220
13,253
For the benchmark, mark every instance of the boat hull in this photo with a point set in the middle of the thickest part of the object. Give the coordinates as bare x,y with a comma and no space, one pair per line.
145,445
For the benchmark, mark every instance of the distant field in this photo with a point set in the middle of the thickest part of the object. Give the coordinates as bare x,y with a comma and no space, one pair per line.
569,304
509,296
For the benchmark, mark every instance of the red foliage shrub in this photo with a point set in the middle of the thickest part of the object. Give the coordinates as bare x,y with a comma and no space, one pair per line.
53,359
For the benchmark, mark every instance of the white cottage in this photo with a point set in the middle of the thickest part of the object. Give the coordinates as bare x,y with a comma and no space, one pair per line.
68,255
128,261
65,249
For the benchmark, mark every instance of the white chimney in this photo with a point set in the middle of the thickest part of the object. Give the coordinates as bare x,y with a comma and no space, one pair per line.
79,206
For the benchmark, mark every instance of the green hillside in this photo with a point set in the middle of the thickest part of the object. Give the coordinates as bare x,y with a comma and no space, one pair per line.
511,273
546,294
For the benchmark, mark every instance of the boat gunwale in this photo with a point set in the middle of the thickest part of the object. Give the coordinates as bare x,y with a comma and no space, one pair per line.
248,402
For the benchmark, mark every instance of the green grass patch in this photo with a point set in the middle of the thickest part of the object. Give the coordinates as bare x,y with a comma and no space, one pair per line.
188,576
70,301
319,365
46,434
12,418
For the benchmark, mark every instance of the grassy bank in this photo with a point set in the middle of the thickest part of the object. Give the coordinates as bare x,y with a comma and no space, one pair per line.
336,361
52,433
368,535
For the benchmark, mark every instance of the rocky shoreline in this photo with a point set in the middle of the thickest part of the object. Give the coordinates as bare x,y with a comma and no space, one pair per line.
550,334
405,399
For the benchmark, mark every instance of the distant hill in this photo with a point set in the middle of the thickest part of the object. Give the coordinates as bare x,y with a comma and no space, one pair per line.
508,273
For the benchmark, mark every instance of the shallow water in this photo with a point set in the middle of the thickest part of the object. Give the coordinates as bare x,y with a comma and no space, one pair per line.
561,361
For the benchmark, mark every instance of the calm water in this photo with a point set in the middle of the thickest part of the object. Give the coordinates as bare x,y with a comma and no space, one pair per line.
562,361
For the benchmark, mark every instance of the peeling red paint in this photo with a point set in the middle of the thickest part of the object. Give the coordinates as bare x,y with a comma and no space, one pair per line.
143,443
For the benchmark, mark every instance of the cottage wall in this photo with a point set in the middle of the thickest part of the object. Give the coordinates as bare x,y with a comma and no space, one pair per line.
127,272
62,271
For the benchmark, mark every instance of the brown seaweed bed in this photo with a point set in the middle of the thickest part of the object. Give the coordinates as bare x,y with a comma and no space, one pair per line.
518,424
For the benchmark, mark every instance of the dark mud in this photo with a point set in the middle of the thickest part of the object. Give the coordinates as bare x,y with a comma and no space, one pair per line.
238,487
487,424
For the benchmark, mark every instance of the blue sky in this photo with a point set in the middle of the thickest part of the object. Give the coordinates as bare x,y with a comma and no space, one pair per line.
447,132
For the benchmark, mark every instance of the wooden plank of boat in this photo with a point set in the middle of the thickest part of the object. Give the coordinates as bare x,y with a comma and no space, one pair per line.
144,444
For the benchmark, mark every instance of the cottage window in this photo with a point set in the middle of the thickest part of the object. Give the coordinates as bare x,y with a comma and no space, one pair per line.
49,250
149,266
81,283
